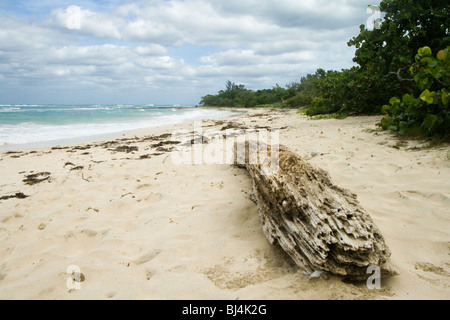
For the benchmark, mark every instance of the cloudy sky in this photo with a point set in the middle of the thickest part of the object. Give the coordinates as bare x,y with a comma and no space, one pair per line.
167,52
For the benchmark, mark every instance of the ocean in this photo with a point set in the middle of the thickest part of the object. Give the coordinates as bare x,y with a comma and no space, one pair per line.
27,126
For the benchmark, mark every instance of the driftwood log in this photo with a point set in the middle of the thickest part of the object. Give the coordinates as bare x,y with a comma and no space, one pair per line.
318,224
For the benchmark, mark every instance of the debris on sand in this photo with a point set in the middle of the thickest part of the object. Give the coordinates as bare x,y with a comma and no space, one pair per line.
34,178
18,195
125,148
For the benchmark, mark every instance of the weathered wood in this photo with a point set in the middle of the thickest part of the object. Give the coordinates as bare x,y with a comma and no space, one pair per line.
320,225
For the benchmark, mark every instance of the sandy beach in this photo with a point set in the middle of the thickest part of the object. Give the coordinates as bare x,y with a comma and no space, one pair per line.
138,225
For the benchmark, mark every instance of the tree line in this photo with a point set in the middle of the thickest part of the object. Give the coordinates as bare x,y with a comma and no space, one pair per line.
402,72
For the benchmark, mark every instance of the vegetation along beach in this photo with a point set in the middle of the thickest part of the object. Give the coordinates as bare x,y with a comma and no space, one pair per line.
144,161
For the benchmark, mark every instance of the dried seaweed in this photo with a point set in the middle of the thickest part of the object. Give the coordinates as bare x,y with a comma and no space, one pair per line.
35,178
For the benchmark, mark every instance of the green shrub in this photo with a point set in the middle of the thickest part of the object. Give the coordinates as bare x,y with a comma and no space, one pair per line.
320,106
430,111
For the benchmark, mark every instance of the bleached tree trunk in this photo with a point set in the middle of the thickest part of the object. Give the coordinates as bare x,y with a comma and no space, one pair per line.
320,225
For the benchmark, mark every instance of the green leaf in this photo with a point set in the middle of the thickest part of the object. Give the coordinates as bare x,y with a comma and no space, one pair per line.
394,100
407,98
427,96
437,73
392,128
433,63
417,78
403,126
384,122
426,60
441,55
425,51
429,121
444,97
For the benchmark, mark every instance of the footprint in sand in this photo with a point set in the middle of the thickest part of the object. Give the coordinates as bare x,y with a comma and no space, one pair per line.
89,233
225,275
438,276
146,257
2,274
153,197
149,274
5,219
81,240
236,273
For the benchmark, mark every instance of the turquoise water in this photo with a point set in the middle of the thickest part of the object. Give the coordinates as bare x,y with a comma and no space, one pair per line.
45,125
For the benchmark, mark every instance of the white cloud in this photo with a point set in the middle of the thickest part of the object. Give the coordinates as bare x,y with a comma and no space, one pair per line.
151,50
146,30
317,14
17,35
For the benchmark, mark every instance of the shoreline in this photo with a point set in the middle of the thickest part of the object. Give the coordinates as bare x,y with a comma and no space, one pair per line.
139,226
105,136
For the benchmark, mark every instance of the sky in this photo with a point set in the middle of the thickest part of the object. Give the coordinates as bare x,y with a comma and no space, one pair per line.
167,52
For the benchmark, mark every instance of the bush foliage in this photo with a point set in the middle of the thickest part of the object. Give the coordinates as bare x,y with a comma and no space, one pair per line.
395,60
238,96
428,111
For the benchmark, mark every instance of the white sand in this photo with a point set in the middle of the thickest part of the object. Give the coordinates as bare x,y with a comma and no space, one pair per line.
154,229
